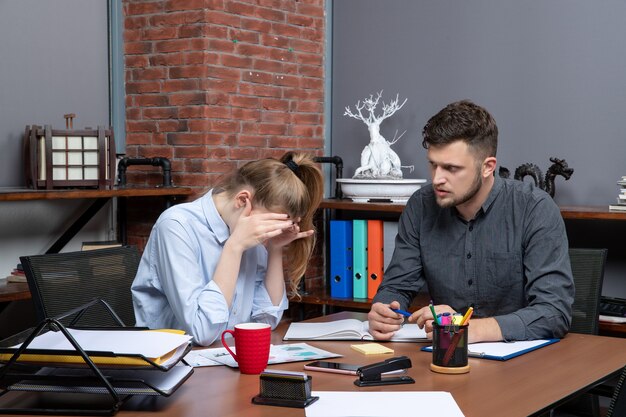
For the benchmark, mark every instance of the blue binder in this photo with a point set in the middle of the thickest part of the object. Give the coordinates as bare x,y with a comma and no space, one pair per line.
341,258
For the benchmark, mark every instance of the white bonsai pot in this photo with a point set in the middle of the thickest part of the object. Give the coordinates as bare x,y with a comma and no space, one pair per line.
363,190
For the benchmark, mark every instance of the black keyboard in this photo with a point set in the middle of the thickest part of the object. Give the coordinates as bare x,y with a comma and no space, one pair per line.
610,306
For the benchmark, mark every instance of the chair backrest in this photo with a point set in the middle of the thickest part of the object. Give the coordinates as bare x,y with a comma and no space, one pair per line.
588,272
62,281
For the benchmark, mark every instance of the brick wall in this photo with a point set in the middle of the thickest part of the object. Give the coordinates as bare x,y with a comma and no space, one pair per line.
212,84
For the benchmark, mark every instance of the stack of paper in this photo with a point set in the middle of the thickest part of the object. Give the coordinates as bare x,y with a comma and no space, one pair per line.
621,197
109,347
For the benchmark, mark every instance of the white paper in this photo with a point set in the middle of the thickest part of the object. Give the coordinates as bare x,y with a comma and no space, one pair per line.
383,404
196,359
151,344
501,349
612,319
293,352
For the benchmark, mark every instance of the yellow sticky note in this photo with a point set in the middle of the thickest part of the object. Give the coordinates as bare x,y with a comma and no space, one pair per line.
372,349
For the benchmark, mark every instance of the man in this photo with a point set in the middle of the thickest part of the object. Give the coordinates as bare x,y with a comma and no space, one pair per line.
478,240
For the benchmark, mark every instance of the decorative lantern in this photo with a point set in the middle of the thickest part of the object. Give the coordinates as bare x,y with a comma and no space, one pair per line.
69,158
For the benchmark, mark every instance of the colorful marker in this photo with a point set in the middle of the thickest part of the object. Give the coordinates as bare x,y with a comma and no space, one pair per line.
445,319
432,310
467,316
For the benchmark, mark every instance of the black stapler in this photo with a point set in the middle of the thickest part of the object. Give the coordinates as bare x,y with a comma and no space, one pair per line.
371,375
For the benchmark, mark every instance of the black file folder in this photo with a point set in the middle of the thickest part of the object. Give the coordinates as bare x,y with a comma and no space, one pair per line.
113,383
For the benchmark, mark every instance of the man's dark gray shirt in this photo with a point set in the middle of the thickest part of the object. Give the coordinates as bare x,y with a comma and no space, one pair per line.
510,262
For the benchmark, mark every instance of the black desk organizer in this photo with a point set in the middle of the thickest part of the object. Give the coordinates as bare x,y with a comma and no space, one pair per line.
113,385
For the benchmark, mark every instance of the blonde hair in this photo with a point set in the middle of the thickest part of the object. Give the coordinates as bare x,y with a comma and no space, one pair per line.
293,184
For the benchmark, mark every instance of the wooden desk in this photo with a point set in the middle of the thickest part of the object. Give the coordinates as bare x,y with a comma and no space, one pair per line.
523,386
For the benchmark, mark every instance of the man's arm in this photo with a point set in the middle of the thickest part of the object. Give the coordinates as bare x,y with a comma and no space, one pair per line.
402,278
549,285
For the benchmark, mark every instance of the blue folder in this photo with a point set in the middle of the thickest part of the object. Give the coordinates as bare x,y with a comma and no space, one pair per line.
359,242
341,258
502,351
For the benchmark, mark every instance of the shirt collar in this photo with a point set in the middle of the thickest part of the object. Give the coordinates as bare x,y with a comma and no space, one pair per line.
213,218
498,183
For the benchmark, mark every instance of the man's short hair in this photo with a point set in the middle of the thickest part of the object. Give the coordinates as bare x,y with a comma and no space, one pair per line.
466,121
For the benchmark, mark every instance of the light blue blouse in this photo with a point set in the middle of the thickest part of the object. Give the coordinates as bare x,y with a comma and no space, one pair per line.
174,285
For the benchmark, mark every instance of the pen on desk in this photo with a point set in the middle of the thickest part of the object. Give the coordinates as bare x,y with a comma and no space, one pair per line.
467,316
432,310
400,311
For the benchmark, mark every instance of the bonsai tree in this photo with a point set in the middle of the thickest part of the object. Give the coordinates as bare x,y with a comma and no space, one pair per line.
378,160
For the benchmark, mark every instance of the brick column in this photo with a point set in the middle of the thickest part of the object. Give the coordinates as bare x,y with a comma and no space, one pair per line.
211,84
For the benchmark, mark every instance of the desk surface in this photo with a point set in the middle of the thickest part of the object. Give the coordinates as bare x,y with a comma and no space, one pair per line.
521,386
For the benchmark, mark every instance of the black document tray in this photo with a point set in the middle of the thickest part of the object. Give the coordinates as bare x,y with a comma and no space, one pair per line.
118,384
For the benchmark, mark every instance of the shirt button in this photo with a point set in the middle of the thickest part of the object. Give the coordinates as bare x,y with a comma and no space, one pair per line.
469,255
470,282
471,228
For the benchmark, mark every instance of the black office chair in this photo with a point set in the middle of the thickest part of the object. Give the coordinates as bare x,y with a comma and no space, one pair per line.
618,402
588,271
62,281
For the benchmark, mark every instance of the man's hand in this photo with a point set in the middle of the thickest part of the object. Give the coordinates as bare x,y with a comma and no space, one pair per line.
424,317
383,322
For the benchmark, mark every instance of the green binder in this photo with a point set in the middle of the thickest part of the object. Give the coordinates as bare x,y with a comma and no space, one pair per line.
359,253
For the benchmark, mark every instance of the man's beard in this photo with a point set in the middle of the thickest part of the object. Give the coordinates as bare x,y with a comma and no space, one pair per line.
453,202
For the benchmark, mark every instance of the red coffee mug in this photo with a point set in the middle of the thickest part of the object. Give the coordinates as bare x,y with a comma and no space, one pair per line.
252,344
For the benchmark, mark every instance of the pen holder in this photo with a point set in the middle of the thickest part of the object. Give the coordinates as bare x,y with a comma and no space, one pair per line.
285,390
450,349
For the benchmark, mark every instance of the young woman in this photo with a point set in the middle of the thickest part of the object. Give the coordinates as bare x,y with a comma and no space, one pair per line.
218,261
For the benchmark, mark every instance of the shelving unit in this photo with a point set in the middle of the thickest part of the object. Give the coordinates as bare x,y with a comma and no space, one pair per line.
568,212
100,197
344,207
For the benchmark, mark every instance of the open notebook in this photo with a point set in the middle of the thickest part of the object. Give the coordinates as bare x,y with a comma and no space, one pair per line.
349,329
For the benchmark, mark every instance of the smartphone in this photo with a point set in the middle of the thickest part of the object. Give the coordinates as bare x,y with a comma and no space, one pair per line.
334,367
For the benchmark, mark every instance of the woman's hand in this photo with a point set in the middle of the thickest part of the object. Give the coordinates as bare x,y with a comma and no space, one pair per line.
255,229
287,236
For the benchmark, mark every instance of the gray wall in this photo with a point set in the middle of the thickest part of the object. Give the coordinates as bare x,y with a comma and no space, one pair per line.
54,61
552,73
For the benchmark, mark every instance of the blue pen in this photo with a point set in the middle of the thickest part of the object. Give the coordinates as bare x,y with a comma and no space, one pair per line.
399,311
